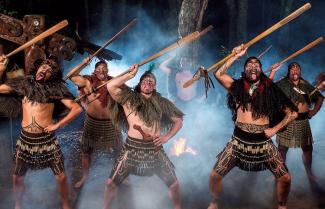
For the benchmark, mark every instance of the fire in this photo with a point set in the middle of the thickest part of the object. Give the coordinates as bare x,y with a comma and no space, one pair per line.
179,147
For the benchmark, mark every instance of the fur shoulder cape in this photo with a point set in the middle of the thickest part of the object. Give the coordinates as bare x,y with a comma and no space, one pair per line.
155,111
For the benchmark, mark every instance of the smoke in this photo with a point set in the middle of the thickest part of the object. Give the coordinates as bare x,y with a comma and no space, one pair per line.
207,125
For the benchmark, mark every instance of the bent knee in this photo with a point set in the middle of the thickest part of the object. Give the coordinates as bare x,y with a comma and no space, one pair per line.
215,176
286,178
61,176
174,185
17,179
110,183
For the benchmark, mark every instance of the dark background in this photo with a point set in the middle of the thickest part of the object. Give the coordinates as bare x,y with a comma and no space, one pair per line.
207,124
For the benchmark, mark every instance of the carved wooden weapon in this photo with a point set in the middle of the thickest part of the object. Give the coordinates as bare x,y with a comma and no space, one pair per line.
302,50
41,36
179,43
80,66
256,39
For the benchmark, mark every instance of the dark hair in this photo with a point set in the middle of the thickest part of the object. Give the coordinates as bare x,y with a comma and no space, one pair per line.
291,65
100,62
145,75
53,62
252,58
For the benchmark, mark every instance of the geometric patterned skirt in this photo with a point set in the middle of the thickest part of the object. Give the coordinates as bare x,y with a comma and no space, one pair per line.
38,151
295,134
100,135
250,152
142,158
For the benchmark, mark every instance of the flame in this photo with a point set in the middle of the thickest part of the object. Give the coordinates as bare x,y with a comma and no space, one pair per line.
179,147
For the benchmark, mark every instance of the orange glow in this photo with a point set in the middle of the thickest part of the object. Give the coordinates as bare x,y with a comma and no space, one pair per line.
179,147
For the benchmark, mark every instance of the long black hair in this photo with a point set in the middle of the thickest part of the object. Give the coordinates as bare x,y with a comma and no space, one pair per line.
266,101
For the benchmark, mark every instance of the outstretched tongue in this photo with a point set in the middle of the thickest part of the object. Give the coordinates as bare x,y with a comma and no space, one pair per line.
40,76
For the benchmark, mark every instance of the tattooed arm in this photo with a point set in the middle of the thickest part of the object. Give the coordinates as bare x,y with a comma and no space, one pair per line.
290,116
114,86
220,74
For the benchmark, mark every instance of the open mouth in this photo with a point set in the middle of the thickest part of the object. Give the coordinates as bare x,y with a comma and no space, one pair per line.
40,76
253,74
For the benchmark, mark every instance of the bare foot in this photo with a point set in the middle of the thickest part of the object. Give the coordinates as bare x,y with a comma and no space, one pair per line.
80,182
17,206
213,206
282,207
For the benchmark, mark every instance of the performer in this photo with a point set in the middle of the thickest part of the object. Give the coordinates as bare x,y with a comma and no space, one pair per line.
253,100
298,133
99,133
37,146
145,115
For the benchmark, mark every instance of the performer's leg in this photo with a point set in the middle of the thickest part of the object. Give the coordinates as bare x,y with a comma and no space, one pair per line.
215,188
19,188
18,180
109,193
85,163
283,151
119,172
61,180
175,195
283,189
307,158
280,171
167,174
226,161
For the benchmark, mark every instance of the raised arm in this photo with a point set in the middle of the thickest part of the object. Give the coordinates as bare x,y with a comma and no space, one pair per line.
3,64
4,89
177,125
75,110
290,116
77,79
224,79
114,85
275,67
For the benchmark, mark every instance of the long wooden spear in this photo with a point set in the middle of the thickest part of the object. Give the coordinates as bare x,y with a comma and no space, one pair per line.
302,50
278,25
80,66
187,39
41,36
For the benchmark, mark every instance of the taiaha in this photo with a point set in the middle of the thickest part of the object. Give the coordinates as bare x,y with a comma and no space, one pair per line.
264,52
41,36
302,50
256,39
187,39
80,66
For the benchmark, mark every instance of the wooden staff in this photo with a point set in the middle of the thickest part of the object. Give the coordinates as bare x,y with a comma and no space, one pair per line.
278,25
41,36
302,50
264,52
315,90
191,37
80,66
185,40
